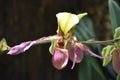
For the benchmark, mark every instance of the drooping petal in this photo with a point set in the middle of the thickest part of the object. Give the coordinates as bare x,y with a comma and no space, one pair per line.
20,48
86,50
89,52
60,58
76,54
116,60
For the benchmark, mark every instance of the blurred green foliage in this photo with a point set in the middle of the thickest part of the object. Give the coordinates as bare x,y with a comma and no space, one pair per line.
114,11
118,77
90,68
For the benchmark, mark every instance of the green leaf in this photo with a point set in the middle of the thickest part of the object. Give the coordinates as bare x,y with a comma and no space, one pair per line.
114,11
117,35
3,45
53,44
66,21
107,51
118,77
95,64
88,65
84,30
84,70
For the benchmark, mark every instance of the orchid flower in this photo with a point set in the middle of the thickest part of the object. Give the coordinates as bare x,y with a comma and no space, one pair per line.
67,47
64,44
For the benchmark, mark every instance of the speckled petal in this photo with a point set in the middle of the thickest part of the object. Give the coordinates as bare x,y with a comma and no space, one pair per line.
60,58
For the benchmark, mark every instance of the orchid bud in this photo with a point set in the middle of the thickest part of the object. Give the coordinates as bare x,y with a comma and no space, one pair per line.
116,60
76,54
60,58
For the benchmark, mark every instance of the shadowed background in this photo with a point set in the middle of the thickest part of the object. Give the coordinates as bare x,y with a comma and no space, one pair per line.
23,20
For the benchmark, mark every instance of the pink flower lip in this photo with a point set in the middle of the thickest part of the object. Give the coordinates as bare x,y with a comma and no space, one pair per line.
60,58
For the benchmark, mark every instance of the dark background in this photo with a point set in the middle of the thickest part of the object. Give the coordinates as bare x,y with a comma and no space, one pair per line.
23,20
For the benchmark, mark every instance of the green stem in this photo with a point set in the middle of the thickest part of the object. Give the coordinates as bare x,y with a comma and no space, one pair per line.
107,42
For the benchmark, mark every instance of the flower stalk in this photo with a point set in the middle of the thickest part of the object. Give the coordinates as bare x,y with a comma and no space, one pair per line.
107,42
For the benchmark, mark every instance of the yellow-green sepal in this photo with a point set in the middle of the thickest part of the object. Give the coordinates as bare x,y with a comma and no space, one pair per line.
3,45
52,46
106,52
66,21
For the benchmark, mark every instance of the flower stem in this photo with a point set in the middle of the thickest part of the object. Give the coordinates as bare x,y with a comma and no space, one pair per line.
107,42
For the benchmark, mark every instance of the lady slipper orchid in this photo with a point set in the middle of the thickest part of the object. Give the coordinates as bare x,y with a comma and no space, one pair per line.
64,45
75,50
